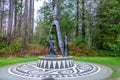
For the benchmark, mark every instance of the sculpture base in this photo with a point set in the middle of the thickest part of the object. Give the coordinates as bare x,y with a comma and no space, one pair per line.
59,62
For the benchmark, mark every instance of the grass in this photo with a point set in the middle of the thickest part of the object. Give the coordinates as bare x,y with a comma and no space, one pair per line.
8,61
112,62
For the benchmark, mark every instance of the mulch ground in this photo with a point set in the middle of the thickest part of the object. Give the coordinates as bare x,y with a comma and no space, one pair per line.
42,50
28,52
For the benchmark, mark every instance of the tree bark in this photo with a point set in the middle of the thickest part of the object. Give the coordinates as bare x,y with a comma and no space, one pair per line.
32,24
10,21
19,23
15,19
31,20
77,17
83,19
0,16
24,25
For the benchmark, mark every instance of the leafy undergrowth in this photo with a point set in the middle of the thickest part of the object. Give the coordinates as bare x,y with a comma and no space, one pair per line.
30,51
15,50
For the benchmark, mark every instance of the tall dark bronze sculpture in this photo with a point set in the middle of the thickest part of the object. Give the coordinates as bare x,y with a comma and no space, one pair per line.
56,43
62,46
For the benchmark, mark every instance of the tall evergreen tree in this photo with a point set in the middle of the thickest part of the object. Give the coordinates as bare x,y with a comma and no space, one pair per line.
25,15
77,15
10,21
108,23
83,19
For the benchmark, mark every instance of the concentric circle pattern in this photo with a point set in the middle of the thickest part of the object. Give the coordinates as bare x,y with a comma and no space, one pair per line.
30,70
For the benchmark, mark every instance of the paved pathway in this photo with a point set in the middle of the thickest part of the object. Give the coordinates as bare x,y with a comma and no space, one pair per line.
102,74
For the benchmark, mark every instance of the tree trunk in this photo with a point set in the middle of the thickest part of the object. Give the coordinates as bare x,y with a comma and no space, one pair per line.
10,21
15,19
83,19
31,16
77,17
19,23
0,17
32,24
24,25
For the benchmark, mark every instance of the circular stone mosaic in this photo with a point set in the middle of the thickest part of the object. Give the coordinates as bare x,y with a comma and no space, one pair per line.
30,70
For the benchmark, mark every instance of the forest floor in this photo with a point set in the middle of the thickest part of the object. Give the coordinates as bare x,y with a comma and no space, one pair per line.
36,50
112,62
30,51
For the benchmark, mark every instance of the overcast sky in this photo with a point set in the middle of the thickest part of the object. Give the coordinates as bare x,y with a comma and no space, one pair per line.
37,6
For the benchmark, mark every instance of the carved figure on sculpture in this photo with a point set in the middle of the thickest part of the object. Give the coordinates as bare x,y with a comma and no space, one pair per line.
51,46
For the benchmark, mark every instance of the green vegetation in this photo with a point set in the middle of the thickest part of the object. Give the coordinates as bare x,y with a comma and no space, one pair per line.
116,47
108,25
9,61
93,29
112,62
14,47
96,27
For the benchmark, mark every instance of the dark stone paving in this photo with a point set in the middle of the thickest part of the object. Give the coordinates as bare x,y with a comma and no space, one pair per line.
100,74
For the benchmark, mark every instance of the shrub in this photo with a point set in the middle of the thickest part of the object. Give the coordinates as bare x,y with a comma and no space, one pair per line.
15,46
79,41
116,47
3,42
71,53
42,40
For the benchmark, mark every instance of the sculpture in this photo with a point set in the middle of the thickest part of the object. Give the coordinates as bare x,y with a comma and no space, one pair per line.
51,46
62,46
52,60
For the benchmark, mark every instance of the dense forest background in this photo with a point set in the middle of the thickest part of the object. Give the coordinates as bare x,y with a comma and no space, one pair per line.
92,26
